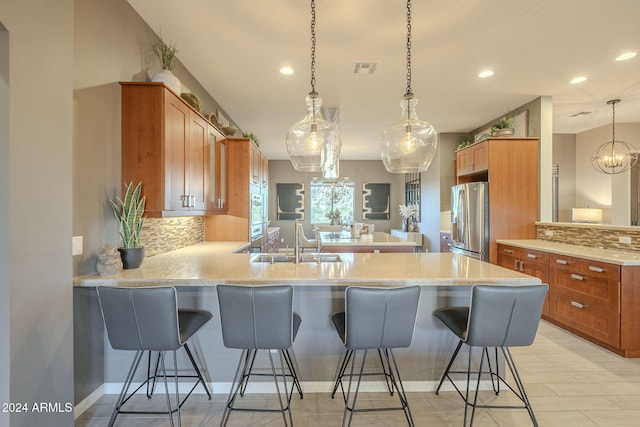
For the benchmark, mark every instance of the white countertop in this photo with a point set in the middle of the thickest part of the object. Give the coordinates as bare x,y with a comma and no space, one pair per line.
595,254
204,265
378,238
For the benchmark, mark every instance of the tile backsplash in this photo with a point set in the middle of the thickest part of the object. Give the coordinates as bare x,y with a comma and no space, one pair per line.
593,236
160,235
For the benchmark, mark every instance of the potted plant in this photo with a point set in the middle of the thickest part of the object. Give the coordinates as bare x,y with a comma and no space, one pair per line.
166,53
503,127
407,212
129,213
252,137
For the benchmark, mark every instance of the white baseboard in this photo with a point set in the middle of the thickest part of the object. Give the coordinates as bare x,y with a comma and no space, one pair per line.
88,401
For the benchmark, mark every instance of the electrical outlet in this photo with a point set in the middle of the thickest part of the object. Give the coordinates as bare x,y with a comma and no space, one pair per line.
548,233
76,245
624,239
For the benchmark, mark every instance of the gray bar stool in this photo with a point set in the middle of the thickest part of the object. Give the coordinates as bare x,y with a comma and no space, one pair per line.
260,318
500,317
147,319
380,319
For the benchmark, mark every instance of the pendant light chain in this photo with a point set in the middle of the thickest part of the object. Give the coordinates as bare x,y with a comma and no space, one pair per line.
409,92
313,46
613,120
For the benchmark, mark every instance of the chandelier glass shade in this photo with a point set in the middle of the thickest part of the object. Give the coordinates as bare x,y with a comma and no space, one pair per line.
408,145
313,143
614,157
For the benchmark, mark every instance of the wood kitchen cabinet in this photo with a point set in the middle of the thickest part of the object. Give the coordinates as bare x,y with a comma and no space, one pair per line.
532,262
218,175
245,173
510,166
472,159
166,145
599,301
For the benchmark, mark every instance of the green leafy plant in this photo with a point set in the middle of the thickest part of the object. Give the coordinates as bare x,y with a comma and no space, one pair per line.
464,141
129,214
252,137
166,53
503,123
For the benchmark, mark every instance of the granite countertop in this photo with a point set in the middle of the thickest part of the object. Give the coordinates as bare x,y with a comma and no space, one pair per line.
378,238
595,254
205,265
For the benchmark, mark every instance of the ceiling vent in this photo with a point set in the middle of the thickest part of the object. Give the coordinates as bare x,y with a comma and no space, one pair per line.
581,113
364,67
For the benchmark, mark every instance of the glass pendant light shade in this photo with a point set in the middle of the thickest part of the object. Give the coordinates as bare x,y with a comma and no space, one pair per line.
313,143
614,157
408,145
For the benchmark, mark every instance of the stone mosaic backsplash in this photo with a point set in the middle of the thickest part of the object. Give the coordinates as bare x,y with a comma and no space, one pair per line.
598,236
160,235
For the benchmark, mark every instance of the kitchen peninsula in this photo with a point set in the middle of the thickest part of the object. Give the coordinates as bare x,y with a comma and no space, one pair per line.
318,291
374,242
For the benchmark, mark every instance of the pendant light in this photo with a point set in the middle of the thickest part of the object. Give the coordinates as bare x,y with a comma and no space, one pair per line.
614,157
313,143
408,145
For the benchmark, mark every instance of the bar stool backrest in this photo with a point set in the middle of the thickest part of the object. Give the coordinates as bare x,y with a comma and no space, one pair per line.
256,317
504,316
143,318
380,317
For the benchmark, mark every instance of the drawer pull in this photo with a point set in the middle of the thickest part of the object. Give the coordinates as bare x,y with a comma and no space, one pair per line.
508,251
562,261
577,277
577,304
596,269
532,256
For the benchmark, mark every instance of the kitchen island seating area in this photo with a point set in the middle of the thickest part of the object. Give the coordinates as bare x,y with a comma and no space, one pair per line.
144,320
498,317
260,318
375,319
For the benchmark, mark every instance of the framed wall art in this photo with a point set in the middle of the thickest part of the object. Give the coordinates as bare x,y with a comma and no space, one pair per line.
376,199
290,201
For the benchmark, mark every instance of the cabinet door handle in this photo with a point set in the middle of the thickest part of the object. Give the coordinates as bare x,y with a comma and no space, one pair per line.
577,304
508,251
192,199
532,256
185,200
515,266
562,261
596,269
522,266
577,277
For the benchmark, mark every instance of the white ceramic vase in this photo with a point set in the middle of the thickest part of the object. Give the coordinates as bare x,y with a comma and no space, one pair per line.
167,77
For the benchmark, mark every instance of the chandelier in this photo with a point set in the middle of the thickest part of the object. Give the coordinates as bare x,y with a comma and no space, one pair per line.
408,145
313,143
614,157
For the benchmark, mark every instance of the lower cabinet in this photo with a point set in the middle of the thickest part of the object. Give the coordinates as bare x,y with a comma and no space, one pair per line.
596,300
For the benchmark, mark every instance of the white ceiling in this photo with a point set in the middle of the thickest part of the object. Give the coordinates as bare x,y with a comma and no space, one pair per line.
235,49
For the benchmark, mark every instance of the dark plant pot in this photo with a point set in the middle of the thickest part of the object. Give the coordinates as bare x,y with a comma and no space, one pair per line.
131,257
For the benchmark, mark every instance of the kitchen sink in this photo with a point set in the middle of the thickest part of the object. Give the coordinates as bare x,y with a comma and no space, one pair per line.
272,259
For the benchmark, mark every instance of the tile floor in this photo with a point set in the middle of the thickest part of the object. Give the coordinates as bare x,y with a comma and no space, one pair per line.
570,382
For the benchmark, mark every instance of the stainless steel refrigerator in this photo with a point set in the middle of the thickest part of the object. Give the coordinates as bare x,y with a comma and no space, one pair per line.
470,220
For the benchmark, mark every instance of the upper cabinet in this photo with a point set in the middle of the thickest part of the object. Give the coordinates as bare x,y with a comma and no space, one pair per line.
472,159
169,146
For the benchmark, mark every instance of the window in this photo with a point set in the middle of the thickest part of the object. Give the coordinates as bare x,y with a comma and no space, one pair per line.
332,202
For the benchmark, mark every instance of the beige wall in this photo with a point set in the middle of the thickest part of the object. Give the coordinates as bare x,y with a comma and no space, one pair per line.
38,188
5,319
598,190
564,155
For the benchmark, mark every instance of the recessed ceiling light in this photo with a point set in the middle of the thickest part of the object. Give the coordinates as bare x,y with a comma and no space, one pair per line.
578,80
626,55
286,71
485,74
